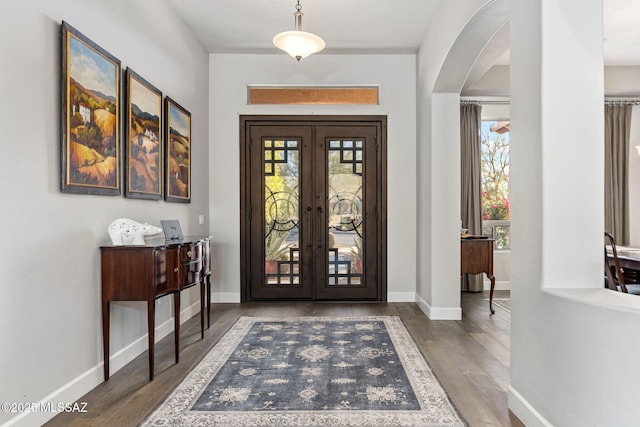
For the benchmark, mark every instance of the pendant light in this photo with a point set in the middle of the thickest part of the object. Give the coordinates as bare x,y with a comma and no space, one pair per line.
298,43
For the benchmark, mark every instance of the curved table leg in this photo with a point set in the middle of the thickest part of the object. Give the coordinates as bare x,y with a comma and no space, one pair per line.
493,285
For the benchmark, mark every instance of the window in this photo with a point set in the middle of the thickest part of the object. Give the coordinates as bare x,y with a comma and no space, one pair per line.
495,181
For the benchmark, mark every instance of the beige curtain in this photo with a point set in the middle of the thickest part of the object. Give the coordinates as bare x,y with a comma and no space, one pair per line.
616,161
471,180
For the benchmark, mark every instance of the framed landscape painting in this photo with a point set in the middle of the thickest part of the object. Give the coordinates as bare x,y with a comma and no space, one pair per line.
178,153
90,154
143,170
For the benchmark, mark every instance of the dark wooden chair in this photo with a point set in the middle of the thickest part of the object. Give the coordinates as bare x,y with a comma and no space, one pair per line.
614,275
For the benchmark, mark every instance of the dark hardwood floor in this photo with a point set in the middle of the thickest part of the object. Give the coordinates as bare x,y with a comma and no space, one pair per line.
471,358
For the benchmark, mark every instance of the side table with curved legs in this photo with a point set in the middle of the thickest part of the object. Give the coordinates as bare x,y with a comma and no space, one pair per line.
476,256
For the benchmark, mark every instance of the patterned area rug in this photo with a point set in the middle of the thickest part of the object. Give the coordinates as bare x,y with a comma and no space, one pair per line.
311,371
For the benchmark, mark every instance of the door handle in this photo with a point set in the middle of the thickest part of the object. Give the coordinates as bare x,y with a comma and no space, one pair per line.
308,227
320,226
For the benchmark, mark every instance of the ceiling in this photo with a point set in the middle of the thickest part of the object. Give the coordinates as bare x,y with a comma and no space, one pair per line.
365,26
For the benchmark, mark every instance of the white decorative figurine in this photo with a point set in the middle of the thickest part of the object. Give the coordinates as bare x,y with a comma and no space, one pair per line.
124,231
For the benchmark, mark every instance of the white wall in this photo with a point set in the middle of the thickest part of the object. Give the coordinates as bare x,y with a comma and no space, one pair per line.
50,301
444,61
229,77
567,331
568,334
495,82
622,81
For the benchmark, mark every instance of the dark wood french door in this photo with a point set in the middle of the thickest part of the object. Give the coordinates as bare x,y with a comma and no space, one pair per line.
313,208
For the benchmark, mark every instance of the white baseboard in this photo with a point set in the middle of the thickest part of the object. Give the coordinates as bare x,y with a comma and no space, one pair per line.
501,285
401,296
439,313
225,297
68,393
525,411
79,386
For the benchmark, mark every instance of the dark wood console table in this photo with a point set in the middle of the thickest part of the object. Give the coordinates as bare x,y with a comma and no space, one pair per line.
150,271
476,256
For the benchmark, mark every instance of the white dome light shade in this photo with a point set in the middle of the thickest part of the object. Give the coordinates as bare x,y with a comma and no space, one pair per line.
298,44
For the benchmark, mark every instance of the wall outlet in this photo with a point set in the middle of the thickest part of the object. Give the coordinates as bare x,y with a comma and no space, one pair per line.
201,219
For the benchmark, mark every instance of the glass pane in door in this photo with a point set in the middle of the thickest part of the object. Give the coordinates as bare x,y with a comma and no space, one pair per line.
281,213
345,167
